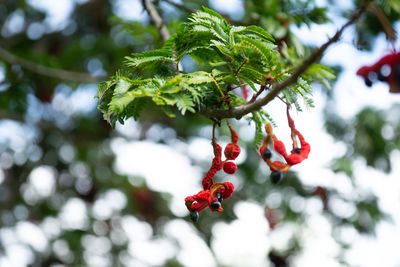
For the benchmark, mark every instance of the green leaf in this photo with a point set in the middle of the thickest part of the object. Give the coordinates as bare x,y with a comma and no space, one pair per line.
210,22
262,48
122,87
120,102
207,29
136,107
213,15
259,31
148,87
324,71
250,73
266,118
236,29
230,79
236,100
172,86
223,49
218,64
168,111
258,137
104,87
198,77
249,83
136,60
216,72
185,103
140,92
169,44
169,99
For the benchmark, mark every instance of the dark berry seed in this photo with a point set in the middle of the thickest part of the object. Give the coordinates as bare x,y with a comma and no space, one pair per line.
267,154
276,176
297,150
215,205
368,82
194,215
381,77
397,70
218,195
397,74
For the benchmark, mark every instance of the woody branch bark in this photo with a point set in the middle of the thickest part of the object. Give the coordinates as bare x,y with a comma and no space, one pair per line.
47,71
157,20
277,87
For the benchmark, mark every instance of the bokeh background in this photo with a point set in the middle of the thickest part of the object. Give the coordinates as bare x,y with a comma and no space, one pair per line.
75,192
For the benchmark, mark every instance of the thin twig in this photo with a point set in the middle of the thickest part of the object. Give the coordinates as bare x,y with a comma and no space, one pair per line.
277,87
214,139
386,26
237,86
217,85
254,97
282,100
47,71
241,66
157,20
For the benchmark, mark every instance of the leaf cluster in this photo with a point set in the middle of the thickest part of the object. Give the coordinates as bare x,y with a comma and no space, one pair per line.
227,57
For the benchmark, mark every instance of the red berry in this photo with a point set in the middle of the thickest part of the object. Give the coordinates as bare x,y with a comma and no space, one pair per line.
230,167
231,151
381,77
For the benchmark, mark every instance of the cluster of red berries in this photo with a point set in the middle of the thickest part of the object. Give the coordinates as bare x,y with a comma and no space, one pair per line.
387,69
212,194
297,154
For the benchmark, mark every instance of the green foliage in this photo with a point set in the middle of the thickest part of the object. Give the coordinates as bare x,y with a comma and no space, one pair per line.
364,138
259,130
146,58
260,118
227,56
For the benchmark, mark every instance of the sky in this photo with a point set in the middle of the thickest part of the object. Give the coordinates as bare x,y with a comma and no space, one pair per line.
250,227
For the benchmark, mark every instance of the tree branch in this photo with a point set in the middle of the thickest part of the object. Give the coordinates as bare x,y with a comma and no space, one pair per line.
47,71
157,20
277,87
